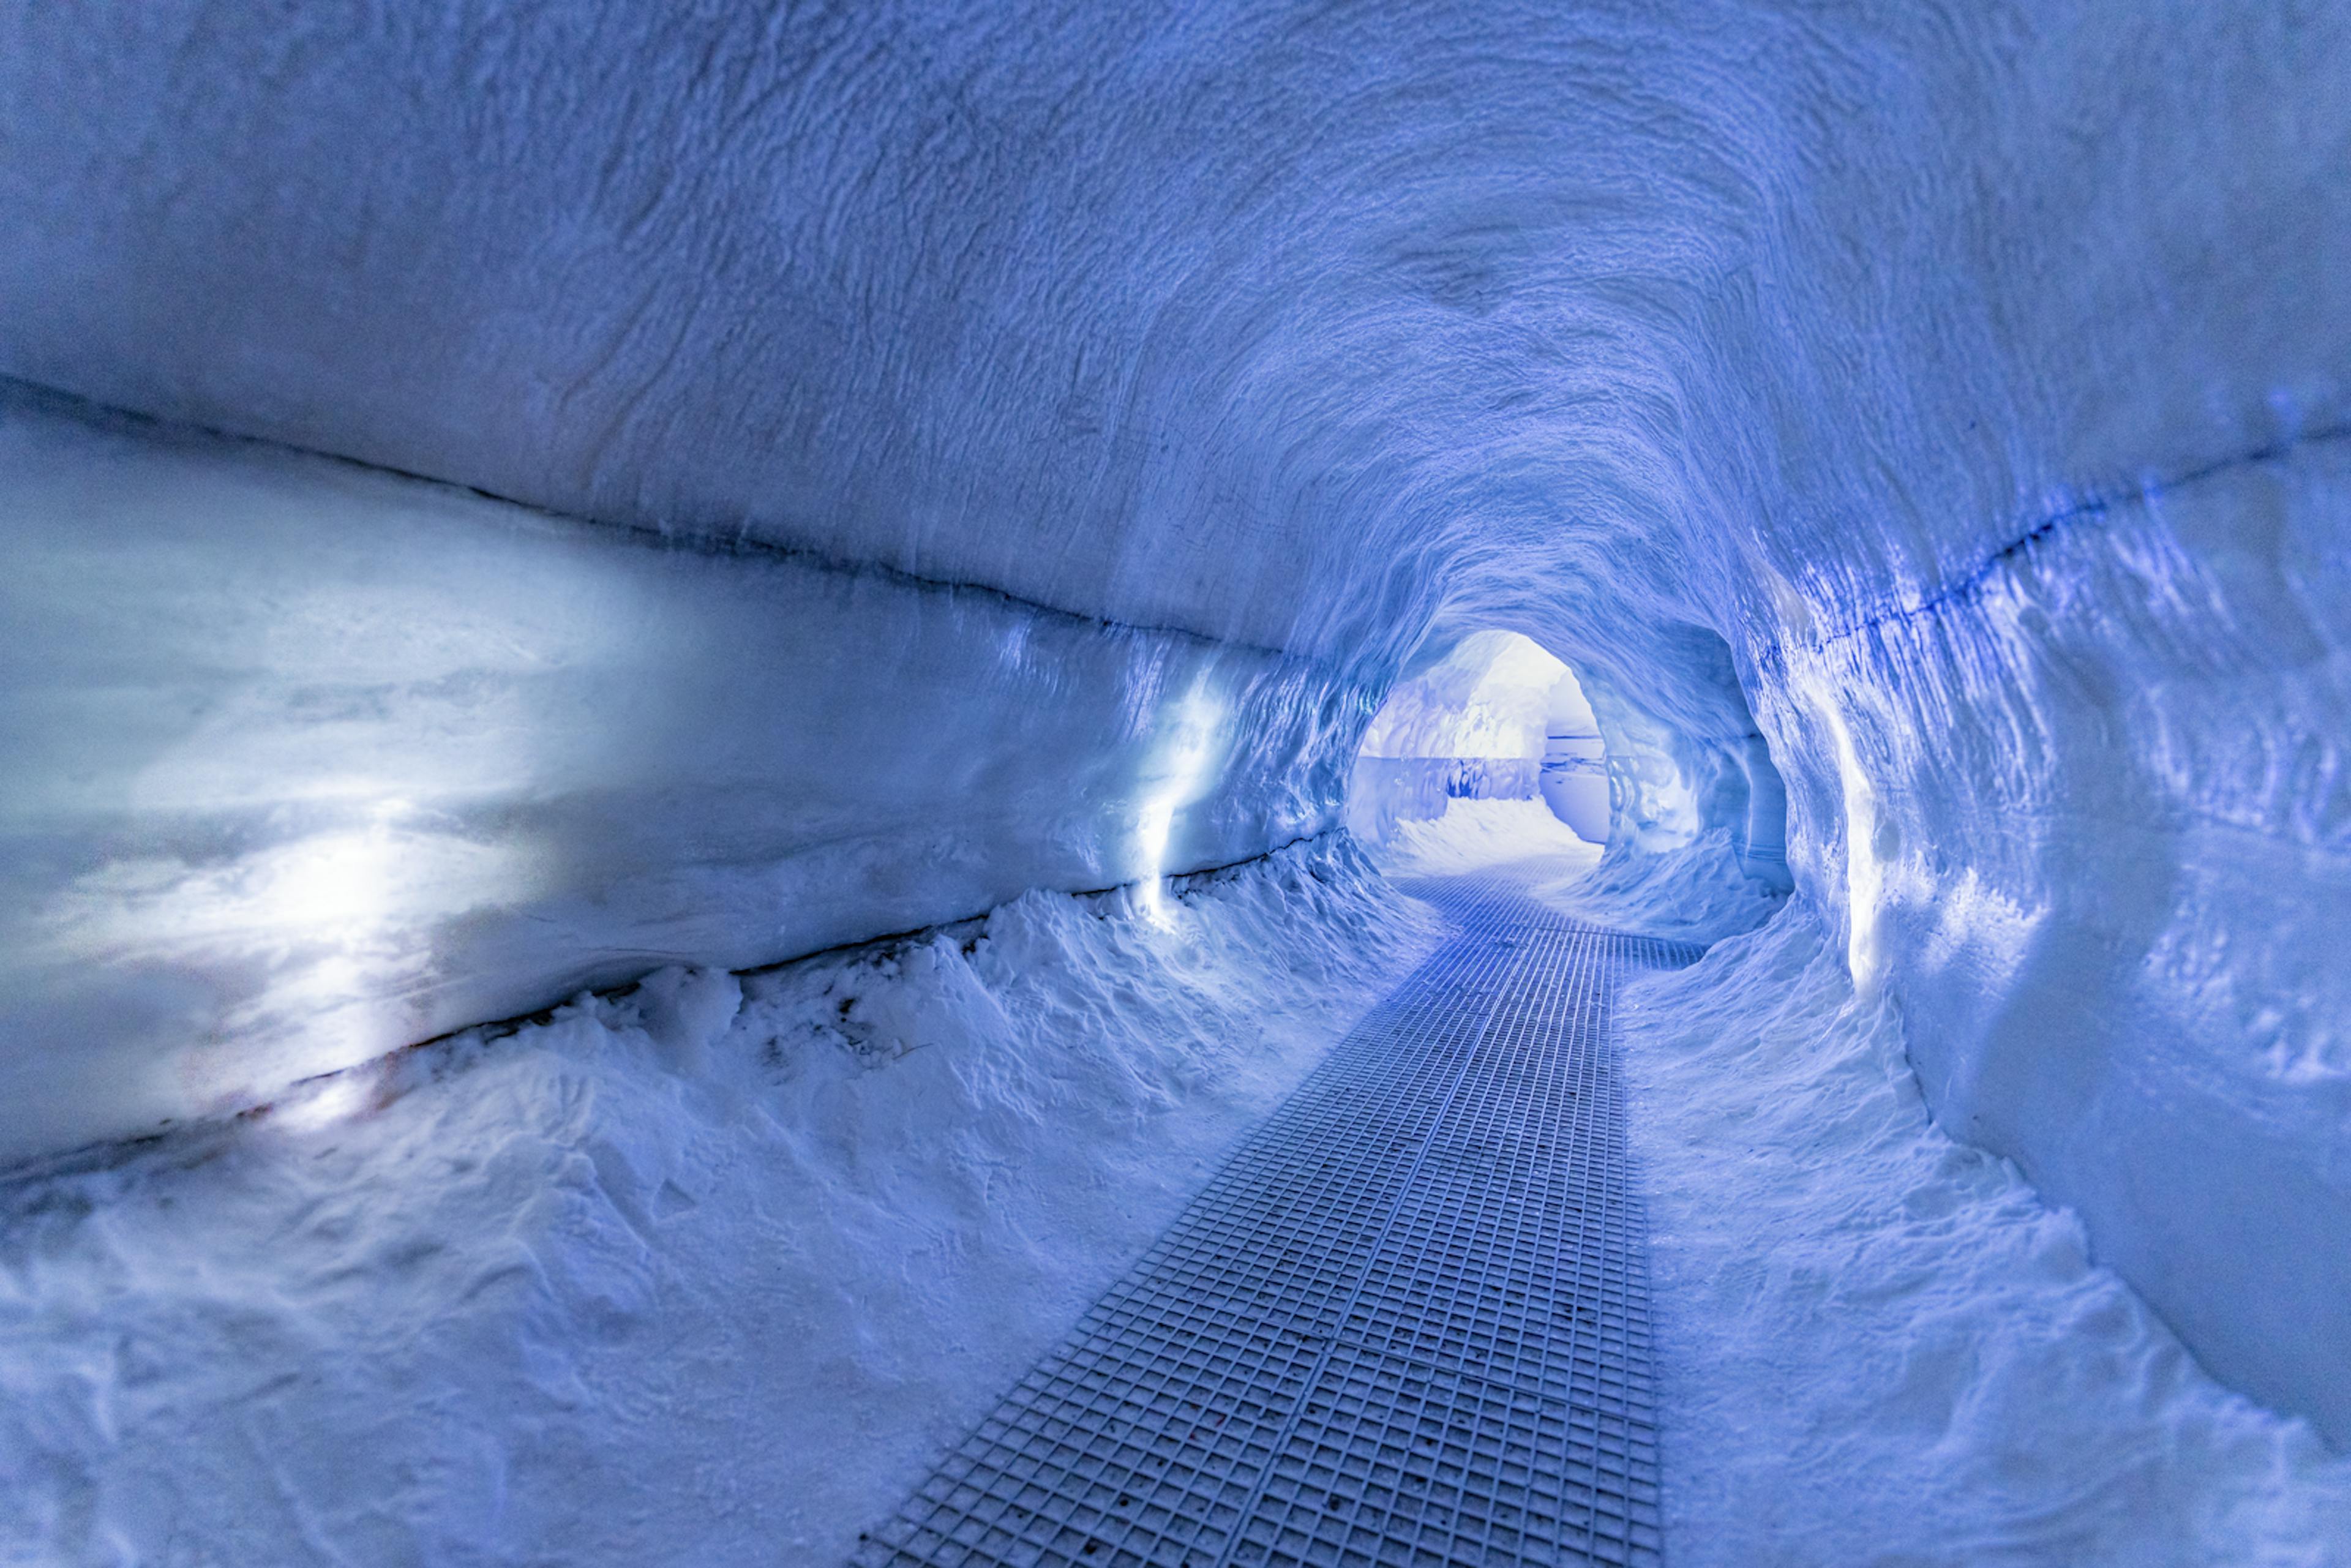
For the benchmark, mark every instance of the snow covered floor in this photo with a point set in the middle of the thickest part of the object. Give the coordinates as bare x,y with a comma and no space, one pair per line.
664,1278
1694,894
1878,1346
1353,1345
1474,834
709,1272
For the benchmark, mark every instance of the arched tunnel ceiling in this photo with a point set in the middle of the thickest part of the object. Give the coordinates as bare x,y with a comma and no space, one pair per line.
1962,389
1284,324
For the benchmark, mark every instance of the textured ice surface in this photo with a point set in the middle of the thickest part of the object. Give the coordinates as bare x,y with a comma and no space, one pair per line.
1955,397
699,1274
1878,1345
307,763
2097,848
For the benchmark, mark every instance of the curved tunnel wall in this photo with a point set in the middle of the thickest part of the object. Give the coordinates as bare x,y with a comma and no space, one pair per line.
1970,385
1467,723
309,762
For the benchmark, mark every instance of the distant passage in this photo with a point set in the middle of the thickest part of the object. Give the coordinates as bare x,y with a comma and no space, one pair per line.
1406,1324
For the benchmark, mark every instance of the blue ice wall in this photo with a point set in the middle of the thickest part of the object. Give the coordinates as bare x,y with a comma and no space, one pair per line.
308,762
1953,399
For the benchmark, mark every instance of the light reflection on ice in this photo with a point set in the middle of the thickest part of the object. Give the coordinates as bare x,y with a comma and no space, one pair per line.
336,1100
319,764
1864,875
342,883
1184,767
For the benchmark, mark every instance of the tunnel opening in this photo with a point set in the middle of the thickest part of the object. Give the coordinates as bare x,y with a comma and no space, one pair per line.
887,536
1491,743
1656,784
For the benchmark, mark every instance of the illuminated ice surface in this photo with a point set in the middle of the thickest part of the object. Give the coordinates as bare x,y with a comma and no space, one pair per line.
310,763
499,501
702,1273
713,1271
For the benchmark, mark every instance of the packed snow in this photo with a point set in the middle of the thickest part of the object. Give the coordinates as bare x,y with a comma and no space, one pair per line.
1472,834
1878,1345
1698,893
703,1272
506,500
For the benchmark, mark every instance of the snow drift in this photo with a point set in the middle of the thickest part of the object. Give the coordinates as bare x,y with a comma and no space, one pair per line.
1941,415
1878,1345
703,1272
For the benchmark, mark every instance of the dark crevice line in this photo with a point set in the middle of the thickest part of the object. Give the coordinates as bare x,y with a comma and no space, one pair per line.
2096,507
729,544
108,1153
1177,882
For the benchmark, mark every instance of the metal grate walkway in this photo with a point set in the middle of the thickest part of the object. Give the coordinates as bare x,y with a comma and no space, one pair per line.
1406,1325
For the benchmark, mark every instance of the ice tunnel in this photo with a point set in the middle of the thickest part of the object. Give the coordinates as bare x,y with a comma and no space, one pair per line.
698,709
1495,718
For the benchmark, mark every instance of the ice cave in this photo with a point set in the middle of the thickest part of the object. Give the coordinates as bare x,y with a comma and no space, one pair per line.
1186,785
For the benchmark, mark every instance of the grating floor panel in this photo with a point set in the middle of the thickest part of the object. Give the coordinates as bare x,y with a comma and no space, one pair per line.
1406,1325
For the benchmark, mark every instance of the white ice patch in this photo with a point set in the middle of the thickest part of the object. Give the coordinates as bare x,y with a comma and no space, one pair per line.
1879,1346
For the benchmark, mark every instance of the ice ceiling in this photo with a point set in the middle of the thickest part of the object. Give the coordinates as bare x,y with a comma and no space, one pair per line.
503,498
